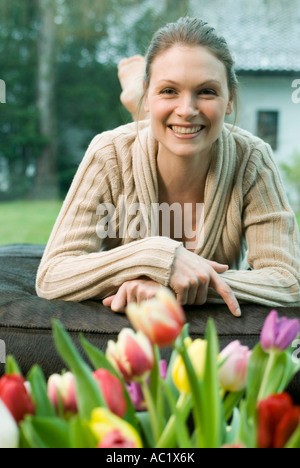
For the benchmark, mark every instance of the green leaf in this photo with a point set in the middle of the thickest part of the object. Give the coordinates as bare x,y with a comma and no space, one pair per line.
96,356
230,403
43,406
234,428
80,434
183,438
45,432
211,410
255,374
11,366
88,392
145,423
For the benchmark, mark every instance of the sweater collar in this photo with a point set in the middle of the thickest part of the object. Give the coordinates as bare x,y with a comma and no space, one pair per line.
217,189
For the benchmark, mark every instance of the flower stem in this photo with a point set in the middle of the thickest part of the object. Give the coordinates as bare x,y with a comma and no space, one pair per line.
184,404
151,408
271,360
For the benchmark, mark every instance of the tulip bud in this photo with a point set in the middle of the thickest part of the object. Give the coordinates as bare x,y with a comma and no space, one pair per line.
62,390
14,395
111,431
197,354
112,391
132,356
278,334
161,319
9,433
233,372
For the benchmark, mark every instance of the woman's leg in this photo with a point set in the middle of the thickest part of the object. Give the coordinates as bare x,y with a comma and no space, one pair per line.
131,72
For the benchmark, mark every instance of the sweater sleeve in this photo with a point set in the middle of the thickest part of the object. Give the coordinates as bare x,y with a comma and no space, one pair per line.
78,264
272,236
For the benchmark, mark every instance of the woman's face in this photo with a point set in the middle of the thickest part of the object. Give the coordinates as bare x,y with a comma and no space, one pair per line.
188,98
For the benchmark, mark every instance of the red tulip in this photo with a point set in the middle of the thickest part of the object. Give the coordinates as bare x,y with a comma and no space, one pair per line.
161,319
112,391
132,356
14,395
62,388
278,418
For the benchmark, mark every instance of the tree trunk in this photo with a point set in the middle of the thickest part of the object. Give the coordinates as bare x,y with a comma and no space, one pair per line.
46,182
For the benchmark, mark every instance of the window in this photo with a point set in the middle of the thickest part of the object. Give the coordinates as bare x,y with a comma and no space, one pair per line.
267,127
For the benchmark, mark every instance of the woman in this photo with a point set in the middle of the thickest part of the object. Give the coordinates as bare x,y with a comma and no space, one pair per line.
183,155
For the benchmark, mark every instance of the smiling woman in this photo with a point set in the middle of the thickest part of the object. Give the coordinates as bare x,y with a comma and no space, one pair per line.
246,244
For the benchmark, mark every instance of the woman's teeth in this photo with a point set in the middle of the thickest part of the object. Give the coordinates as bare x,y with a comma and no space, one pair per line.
185,130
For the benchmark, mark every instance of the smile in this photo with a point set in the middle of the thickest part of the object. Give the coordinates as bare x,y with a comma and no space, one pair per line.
186,132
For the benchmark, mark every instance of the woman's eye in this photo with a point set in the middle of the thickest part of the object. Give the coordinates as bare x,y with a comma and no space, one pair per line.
168,91
210,92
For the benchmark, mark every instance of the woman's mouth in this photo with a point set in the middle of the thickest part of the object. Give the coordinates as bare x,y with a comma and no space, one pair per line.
186,132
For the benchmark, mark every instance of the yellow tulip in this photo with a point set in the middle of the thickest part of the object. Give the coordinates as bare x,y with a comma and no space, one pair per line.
103,422
197,354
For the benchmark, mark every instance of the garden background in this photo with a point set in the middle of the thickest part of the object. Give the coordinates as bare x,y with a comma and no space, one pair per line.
58,60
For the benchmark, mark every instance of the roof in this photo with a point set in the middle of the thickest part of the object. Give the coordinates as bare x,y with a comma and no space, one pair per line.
264,35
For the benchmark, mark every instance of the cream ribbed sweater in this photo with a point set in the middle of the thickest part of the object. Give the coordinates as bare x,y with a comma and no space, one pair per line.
246,212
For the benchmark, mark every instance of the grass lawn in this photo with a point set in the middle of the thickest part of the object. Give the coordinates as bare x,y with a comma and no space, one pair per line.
28,222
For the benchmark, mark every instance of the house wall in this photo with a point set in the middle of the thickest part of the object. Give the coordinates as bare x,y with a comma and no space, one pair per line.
272,93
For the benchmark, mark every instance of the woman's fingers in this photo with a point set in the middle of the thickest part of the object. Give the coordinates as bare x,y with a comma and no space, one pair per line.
108,300
218,267
219,285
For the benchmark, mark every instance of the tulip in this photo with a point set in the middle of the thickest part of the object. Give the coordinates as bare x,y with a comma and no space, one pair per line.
278,419
161,319
233,372
14,395
62,390
9,433
135,390
110,429
197,353
132,356
112,391
278,334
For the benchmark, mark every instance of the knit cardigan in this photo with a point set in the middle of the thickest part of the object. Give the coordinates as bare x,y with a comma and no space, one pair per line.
246,216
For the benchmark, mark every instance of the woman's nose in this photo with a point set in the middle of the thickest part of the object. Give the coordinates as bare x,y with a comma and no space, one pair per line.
187,107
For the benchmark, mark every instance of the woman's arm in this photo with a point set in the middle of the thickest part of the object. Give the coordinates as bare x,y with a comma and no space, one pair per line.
75,266
272,237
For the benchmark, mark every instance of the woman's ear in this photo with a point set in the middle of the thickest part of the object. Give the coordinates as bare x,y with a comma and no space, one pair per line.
230,103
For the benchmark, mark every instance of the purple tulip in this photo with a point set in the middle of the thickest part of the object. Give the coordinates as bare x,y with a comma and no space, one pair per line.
278,333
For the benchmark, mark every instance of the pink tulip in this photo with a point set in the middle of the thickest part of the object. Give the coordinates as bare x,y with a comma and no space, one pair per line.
161,319
112,391
115,439
278,333
62,390
233,372
132,356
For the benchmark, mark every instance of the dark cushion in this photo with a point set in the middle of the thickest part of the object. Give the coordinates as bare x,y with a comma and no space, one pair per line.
25,319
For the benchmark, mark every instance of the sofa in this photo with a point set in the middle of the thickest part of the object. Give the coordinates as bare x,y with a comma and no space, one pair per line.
25,319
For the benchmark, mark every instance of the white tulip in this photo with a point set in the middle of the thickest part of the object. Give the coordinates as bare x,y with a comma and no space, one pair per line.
9,432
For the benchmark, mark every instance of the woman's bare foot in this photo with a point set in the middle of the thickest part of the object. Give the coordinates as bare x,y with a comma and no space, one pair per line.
131,72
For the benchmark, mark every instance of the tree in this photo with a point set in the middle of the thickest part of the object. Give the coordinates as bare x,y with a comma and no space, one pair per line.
46,183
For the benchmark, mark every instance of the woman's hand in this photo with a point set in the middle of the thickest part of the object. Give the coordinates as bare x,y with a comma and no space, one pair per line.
137,290
191,277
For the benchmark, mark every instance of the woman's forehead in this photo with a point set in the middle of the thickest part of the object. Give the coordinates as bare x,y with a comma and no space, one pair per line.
181,63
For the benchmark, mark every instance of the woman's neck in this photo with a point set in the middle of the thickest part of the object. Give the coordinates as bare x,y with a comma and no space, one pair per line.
182,179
